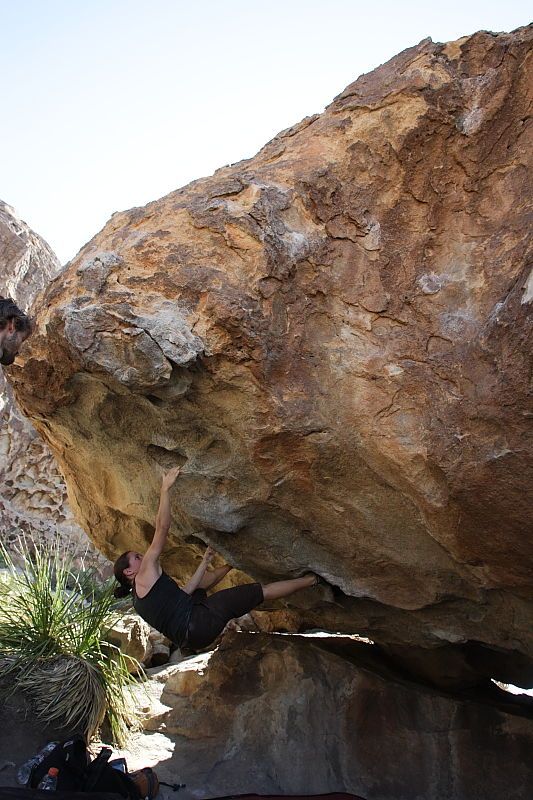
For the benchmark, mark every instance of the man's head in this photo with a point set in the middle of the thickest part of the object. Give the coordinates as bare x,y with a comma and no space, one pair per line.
15,327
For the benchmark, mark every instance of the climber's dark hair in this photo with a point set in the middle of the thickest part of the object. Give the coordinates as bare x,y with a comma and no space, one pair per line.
120,565
9,310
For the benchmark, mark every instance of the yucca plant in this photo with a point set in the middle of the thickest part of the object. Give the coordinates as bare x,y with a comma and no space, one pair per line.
53,623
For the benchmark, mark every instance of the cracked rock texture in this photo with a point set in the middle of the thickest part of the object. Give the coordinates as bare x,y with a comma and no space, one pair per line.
279,715
332,339
33,495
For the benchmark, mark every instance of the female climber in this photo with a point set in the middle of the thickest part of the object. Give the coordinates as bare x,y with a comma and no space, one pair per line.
188,616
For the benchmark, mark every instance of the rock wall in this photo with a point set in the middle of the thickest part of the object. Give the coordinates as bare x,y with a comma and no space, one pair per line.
27,263
331,339
279,715
33,495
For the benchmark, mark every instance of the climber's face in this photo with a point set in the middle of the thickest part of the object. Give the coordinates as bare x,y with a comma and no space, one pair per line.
134,561
11,341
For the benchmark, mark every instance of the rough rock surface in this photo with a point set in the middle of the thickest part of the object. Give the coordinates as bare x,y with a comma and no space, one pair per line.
278,715
27,262
132,635
33,495
137,639
331,338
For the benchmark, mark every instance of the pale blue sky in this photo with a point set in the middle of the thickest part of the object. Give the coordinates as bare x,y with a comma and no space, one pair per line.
108,104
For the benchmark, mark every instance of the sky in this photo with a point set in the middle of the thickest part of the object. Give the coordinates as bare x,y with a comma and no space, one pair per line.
109,104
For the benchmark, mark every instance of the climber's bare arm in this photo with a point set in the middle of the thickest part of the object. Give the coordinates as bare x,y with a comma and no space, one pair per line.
163,519
194,582
214,577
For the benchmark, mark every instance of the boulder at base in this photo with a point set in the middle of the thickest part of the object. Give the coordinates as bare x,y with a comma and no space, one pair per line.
279,715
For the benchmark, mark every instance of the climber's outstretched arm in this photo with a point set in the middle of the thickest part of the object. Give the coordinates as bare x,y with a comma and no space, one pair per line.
163,519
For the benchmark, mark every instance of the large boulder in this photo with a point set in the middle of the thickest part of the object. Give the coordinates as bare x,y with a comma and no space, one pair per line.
278,715
331,339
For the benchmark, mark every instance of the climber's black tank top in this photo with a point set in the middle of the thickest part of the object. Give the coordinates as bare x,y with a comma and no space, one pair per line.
166,607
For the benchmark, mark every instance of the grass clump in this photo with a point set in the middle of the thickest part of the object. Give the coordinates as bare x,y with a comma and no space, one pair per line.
53,625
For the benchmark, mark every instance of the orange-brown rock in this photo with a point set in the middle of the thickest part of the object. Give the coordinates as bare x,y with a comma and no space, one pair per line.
331,338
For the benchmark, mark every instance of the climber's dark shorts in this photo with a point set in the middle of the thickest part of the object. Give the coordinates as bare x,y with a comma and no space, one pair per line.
210,615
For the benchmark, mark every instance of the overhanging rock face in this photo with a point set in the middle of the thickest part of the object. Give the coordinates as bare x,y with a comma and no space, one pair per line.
331,338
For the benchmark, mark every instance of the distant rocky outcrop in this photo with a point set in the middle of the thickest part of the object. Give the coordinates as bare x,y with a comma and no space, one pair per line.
332,339
27,262
33,495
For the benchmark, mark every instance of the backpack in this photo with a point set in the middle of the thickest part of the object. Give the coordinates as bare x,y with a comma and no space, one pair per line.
78,773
